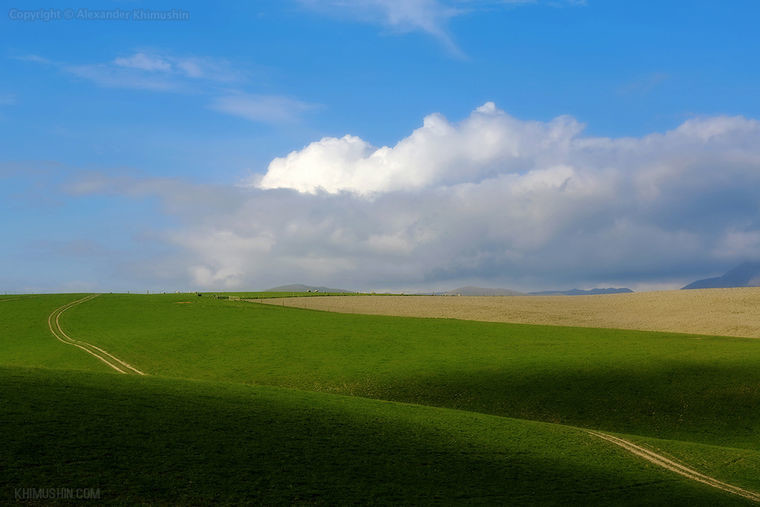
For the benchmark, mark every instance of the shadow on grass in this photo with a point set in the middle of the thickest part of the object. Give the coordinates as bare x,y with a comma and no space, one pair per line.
684,401
157,440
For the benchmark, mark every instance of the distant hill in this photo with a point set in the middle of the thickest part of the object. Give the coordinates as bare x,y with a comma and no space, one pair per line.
481,291
581,292
298,287
744,275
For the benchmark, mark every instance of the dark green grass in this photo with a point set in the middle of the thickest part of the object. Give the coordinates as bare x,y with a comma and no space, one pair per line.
671,386
151,440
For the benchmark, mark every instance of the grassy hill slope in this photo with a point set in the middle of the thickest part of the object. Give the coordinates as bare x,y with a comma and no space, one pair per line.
218,438
682,387
161,440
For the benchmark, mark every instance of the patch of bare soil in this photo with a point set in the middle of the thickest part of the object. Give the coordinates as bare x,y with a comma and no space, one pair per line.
724,312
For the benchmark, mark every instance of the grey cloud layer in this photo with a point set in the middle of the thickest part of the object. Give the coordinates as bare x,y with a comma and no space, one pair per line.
491,199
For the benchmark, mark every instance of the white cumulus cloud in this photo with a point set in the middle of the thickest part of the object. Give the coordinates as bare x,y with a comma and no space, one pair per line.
487,143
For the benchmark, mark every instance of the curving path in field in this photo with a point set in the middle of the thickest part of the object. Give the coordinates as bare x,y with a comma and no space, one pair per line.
662,461
55,327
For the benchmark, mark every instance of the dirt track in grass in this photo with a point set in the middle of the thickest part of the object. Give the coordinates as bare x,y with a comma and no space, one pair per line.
54,324
662,461
724,312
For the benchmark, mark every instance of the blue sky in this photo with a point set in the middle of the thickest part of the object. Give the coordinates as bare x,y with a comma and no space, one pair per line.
115,133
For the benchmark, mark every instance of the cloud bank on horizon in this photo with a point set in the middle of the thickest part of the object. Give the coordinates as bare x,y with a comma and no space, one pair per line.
495,199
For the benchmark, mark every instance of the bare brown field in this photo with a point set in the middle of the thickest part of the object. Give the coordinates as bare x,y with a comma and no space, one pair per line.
724,312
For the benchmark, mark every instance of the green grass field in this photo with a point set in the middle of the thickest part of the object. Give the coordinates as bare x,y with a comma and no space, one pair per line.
256,403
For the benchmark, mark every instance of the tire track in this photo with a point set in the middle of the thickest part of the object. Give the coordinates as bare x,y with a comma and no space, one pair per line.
112,361
662,461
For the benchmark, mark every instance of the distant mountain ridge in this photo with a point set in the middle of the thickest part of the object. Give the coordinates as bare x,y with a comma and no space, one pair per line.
299,287
581,292
743,275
